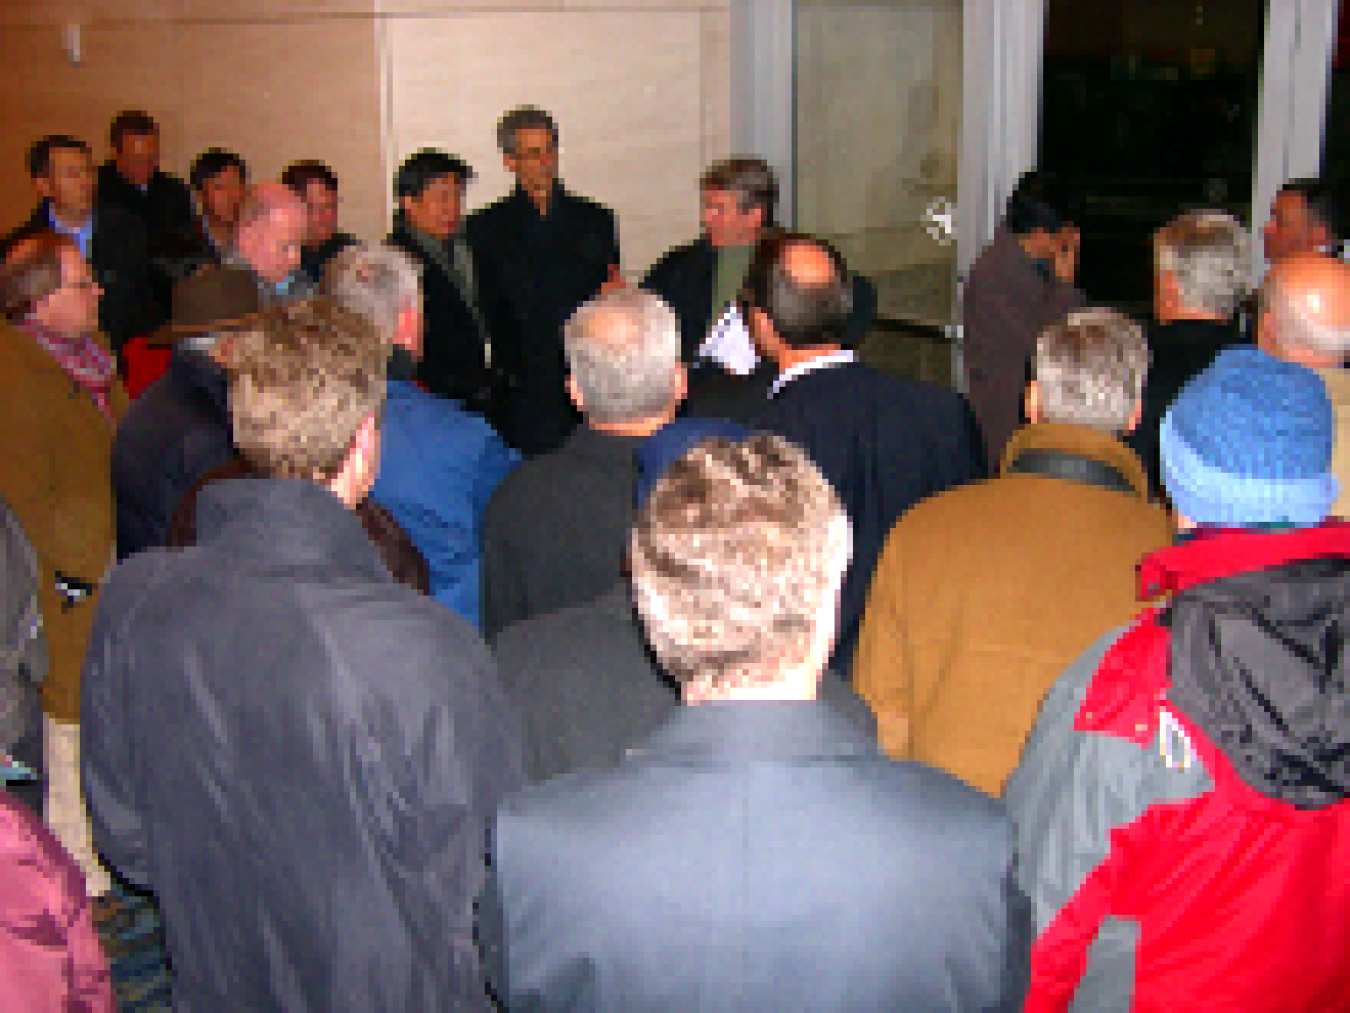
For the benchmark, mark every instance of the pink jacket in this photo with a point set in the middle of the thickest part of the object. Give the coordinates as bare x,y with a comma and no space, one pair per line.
50,958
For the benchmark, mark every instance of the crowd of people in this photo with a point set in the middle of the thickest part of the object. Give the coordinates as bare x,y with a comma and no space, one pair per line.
450,623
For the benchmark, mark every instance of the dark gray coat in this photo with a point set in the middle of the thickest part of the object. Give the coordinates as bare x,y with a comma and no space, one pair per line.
755,856
300,757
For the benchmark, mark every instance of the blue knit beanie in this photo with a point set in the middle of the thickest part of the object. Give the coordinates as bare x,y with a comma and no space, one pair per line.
1248,442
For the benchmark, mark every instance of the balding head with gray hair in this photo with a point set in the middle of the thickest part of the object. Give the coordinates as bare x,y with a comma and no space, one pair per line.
1305,310
1207,253
623,349
380,282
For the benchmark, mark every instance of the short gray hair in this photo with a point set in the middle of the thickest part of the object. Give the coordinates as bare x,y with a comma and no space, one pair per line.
378,282
735,557
1295,329
624,352
1090,369
523,118
1206,251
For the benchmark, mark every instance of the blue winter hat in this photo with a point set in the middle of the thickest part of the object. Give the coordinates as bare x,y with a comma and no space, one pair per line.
672,441
1248,441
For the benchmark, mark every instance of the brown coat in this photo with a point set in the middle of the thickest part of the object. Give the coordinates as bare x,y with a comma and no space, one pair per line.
985,593
55,473
1337,380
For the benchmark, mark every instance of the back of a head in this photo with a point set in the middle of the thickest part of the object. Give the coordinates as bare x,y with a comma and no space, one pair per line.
623,349
802,285
301,383
1041,201
1326,202
31,270
378,281
1308,298
1207,253
736,559
751,179
1248,442
264,200
1090,369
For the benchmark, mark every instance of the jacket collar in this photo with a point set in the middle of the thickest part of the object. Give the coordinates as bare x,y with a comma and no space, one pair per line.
755,730
288,521
1236,550
584,441
198,370
1082,441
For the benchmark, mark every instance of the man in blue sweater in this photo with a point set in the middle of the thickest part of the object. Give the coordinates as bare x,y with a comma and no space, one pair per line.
439,463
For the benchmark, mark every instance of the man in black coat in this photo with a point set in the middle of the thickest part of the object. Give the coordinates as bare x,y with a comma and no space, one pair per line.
541,252
883,443
757,852
133,181
317,185
300,755
429,187
112,240
1200,266
554,531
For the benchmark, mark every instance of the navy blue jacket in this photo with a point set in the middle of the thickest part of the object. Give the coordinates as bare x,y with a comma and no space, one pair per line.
169,439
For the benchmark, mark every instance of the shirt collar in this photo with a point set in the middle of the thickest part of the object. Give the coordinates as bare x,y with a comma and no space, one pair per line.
82,235
839,358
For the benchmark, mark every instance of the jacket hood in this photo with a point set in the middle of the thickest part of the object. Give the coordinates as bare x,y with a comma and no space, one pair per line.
1259,663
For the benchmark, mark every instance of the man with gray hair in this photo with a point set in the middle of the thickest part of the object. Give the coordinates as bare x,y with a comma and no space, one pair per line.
1305,318
540,252
1200,262
438,464
757,851
554,533
1043,555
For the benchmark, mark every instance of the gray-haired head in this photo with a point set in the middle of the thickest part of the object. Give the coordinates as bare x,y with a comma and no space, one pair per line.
623,349
1207,253
380,282
1090,370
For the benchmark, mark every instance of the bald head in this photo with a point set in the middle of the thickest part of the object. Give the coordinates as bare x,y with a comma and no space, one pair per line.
272,224
1305,314
798,295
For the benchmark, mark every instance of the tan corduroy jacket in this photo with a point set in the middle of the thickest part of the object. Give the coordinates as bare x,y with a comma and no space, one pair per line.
985,594
54,471
1337,382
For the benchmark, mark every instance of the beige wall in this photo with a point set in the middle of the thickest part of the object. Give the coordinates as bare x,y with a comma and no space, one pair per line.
641,90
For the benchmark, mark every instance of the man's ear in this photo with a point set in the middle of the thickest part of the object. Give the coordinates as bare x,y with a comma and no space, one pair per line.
44,187
1031,402
761,330
681,383
574,392
1136,417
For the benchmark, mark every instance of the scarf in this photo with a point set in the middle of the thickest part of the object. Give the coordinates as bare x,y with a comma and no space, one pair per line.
84,360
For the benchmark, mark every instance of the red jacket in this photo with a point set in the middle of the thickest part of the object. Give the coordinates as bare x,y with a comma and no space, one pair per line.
1182,806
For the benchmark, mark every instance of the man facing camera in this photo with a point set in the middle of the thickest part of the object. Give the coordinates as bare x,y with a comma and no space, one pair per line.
298,754
541,251
758,851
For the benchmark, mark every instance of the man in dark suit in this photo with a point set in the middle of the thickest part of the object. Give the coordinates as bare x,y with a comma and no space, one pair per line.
429,187
883,443
757,852
541,252
317,185
133,181
554,531
112,240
